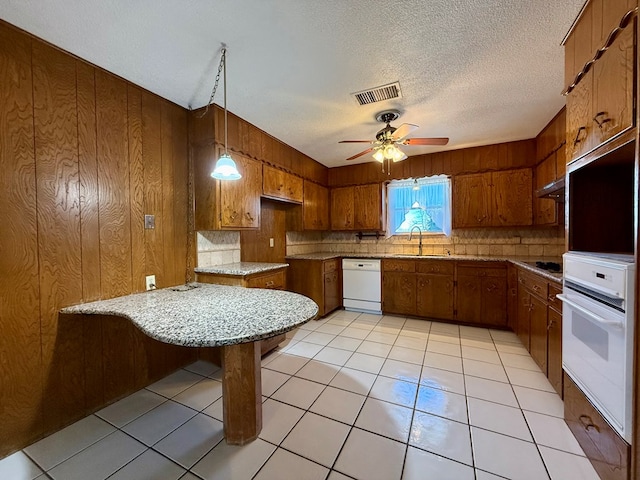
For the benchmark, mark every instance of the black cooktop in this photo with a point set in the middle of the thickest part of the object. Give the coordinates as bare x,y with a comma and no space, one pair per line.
550,266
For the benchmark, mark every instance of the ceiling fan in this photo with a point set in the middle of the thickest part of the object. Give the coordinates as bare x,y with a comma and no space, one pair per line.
387,142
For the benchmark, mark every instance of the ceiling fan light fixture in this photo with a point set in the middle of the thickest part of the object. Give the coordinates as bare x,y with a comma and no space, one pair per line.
398,155
379,155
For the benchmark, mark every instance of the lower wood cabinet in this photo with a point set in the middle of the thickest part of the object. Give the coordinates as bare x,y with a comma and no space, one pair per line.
470,292
320,280
482,293
400,296
609,454
539,324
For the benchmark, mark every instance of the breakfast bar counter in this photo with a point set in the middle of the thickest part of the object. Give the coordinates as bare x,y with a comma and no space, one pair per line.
206,315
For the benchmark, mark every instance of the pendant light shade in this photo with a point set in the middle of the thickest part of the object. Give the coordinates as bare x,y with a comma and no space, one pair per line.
226,169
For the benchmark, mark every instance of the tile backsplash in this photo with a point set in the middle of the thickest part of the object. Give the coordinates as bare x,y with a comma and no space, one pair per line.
528,242
218,248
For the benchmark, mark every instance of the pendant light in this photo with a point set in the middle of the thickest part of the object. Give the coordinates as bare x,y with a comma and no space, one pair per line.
225,168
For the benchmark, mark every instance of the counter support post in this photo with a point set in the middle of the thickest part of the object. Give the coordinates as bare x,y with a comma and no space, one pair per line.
241,392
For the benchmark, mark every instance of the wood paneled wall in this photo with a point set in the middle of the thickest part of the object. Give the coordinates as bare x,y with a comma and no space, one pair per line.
254,244
83,156
502,156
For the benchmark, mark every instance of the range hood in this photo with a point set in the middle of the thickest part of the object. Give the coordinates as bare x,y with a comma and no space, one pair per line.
553,190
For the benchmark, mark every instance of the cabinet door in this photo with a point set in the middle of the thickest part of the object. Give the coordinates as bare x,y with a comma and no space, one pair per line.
399,293
315,208
494,301
613,82
554,345
469,299
367,200
434,296
342,205
279,184
579,121
332,291
471,200
523,325
538,339
240,199
512,197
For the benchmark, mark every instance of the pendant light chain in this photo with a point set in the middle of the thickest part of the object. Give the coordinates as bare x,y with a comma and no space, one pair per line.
223,59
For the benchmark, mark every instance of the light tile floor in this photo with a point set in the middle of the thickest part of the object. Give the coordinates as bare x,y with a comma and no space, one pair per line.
350,396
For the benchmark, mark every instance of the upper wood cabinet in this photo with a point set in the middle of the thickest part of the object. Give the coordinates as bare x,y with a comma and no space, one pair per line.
493,199
315,208
281,185
229,204
357,208
471,200
342,203
600,106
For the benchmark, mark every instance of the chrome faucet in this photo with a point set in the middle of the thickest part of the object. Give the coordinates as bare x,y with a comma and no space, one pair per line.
411,236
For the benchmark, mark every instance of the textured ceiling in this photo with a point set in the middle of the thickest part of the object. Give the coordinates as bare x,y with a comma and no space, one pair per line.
477,71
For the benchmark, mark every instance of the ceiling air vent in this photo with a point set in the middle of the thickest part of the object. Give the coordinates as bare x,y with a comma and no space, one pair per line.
378,94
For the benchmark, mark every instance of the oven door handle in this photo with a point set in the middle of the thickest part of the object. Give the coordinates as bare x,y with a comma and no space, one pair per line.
597,318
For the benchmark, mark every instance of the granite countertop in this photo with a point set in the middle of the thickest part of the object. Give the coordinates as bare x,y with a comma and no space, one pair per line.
527,263
206,315
241,269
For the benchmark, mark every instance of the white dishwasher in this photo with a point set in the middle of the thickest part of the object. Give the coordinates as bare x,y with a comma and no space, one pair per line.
361,285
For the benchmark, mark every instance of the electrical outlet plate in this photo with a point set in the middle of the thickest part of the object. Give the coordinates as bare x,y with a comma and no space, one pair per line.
271,242
149,221
150,282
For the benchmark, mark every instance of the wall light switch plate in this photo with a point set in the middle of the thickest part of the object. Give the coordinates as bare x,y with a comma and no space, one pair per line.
271,242
150,281
149,221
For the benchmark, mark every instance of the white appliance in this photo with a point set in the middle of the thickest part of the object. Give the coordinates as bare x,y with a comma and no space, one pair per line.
361,285
597,332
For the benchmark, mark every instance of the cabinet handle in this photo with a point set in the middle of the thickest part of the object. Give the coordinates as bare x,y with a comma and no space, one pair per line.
577,140
601,123
551,298
269,283
233,215
536,288
280,187
587,423
249,216
550,324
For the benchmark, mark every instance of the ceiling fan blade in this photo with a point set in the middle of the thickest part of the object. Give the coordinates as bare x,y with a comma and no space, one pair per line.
404,130
355,141
425,141
360,154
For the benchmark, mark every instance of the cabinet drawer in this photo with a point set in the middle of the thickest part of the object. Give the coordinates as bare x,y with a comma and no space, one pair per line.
485,269
537,285
274,281
444,267
554,302
609,454
329,266
398,265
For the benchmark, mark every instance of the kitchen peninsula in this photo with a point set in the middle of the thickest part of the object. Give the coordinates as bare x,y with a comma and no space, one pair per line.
234,318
